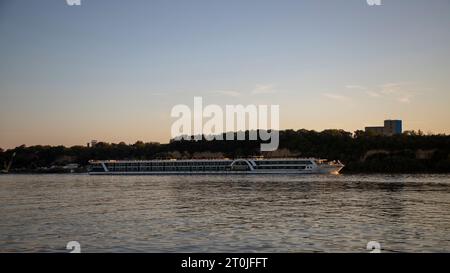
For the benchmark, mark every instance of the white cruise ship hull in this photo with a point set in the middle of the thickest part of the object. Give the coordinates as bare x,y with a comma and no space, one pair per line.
216,167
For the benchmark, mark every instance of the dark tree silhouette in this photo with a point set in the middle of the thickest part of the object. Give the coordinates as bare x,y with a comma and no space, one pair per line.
360,152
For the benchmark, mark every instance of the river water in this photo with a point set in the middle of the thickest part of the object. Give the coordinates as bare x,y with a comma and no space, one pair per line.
404,213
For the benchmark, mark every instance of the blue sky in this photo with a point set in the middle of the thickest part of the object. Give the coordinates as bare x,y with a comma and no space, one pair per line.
112,70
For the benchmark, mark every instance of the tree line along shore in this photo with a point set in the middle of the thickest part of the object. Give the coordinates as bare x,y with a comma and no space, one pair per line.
410,152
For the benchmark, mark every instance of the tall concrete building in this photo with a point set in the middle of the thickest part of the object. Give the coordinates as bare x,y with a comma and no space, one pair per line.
390,128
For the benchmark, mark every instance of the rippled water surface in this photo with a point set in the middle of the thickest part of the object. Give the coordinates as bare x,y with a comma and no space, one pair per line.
41,213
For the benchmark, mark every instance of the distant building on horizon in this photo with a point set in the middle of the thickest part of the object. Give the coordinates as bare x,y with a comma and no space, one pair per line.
92,143
390,128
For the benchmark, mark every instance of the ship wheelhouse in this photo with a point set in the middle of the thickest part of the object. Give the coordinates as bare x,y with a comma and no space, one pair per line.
284,164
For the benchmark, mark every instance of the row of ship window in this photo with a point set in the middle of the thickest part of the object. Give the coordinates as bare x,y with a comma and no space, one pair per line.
197,168
164,164
286,162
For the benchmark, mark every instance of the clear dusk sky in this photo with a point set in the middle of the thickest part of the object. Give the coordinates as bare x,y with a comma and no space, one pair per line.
112,70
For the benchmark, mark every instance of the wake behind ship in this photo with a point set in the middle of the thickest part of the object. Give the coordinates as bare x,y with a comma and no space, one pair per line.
215,166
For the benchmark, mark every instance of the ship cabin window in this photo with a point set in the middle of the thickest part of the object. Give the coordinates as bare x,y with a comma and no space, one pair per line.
285,162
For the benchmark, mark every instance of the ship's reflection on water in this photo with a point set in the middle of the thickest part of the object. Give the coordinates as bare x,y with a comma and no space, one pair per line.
225,213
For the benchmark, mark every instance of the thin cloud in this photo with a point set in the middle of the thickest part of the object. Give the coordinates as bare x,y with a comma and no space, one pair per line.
336,97
263,89
373,94
397,91
229,93
401,91
259,89
405,100
393,88
355,86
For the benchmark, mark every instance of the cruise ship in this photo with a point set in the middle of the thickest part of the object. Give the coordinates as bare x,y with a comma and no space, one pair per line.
215,166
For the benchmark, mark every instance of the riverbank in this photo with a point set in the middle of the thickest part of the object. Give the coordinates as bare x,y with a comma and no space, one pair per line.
361,153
